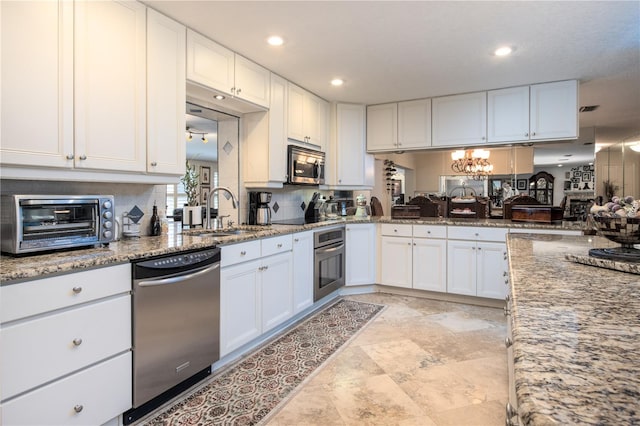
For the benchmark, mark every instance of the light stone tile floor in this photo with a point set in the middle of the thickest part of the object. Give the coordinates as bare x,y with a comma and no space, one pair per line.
421,362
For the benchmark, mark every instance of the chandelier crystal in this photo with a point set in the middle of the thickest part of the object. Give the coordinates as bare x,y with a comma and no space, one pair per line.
474,163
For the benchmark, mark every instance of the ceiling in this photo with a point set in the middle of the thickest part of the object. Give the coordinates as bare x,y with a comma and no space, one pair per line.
396,50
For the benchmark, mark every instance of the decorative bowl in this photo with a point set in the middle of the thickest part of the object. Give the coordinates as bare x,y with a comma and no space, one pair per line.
622,230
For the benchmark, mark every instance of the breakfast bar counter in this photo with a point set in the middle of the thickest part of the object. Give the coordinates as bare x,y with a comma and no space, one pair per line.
575,332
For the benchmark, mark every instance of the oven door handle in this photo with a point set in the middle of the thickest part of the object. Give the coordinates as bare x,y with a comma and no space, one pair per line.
179,278
330,249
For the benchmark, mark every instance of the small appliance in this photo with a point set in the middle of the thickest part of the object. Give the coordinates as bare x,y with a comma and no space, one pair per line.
361,206
314,209
34,223
259,210
305,166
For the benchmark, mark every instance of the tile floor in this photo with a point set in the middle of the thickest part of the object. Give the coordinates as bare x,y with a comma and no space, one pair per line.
421,362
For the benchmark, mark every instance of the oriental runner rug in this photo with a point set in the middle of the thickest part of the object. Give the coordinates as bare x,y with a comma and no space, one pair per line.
246,392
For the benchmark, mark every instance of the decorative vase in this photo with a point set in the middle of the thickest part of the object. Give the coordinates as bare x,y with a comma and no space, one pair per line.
192,216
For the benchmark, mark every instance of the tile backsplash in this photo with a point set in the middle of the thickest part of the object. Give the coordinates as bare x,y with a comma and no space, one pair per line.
126,195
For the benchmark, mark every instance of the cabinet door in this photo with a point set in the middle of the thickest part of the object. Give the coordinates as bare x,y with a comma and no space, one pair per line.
37,76
210,64
240,305
302,271
360,254
396,261
461,267
166,95
554,110
460,120
252,82
492,269
382,127
313,119
414,124
110,85
295,113
276,290
350,144
278,129
508,114
430,264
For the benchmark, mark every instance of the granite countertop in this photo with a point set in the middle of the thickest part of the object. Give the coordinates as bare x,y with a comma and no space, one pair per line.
15,269
576,334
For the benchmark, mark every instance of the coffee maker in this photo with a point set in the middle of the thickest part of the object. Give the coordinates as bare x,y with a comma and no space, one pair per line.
259,210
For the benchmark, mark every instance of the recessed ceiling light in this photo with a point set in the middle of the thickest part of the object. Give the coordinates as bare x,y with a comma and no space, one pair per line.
503,51
275,41
337,82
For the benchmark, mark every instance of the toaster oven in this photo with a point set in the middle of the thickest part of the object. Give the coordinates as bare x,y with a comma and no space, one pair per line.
34,223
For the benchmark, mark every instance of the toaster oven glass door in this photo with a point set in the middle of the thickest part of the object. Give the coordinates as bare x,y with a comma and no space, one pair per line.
59,222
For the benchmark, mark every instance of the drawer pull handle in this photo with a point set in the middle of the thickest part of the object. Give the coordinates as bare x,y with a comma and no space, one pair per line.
295,240
242,253
78,408
279,245
77,341
508,342
510,411
77,290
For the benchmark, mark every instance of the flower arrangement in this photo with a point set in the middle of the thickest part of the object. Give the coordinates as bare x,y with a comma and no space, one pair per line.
618,207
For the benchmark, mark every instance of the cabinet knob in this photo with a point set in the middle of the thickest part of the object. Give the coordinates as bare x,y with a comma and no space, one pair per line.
508,342
69,156
77,341
295,240
505,273
479,248
526,134
238,91
77,290
279,245
78,408
154,163
242,253
506,282
507,298
483,138
83,157
233,89
414,244
533,133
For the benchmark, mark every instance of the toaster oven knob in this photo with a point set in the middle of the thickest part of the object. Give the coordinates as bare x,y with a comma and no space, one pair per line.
107,215
108,224
106,204
107,234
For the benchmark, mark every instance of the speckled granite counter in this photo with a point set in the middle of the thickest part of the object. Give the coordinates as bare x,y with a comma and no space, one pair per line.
29,267
576,334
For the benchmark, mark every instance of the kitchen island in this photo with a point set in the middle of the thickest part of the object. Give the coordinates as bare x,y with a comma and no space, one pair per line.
576,334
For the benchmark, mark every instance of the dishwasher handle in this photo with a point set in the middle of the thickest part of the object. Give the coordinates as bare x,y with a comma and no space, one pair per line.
179,278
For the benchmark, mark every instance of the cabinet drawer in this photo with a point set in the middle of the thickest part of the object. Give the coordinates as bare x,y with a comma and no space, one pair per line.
396,230
37,351
477,233
100,393
429,231
24,299
277,245
241,252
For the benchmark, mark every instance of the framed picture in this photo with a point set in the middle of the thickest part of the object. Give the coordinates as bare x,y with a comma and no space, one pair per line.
586,176
521,184
205,175
567,185
577,174
575,180
204,191
567,175
586,168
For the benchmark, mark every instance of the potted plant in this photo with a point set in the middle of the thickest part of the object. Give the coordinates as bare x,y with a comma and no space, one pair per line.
191,214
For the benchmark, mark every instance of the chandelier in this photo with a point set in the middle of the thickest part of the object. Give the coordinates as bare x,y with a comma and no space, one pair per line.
474,163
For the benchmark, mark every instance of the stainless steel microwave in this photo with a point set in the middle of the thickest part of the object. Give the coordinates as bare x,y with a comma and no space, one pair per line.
305,166
34,223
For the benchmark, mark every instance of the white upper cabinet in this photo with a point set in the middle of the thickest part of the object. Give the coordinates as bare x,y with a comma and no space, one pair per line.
307,117
37,84
508,114
166,94
414,124
266,141
110,85
382,127
216,67
460,120
353,166
554,110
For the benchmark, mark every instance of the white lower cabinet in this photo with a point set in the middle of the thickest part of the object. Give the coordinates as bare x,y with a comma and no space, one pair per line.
66,356
416,258
257,295
302,271
360,254
477,262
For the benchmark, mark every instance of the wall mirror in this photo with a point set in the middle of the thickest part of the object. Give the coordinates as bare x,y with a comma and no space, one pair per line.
211,139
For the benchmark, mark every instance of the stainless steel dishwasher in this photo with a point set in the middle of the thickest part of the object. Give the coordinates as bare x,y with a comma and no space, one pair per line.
176,323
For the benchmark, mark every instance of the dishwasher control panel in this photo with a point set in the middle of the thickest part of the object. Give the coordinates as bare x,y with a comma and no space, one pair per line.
179,260
175,263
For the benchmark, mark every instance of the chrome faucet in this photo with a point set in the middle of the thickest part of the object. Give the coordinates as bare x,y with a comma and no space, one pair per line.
234,203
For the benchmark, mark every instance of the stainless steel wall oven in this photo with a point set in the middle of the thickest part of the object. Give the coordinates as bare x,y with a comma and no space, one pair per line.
329,261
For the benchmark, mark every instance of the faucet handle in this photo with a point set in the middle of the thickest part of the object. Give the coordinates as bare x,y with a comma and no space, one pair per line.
230,223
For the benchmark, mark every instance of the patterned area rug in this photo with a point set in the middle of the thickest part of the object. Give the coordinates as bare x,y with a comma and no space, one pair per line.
246,393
